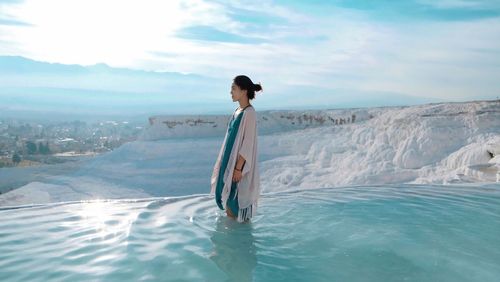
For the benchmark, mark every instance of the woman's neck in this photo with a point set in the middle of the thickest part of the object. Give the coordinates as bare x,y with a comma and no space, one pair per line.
244,104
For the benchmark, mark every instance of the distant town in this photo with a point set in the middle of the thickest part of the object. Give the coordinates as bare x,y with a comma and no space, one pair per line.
25,143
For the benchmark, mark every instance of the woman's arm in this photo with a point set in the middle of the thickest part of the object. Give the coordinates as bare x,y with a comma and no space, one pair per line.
246,151
238,169
245,154
240,163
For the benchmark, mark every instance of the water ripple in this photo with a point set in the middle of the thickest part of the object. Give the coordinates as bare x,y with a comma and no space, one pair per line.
400,232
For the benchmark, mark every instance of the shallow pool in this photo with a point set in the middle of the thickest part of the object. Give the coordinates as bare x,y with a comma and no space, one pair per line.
380,233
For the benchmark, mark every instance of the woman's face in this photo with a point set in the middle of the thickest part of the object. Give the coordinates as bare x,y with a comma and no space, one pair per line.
237,93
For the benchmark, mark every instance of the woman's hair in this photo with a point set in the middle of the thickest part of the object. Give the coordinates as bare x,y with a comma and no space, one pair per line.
245,83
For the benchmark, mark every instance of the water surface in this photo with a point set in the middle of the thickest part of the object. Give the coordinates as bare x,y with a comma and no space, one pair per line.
376,233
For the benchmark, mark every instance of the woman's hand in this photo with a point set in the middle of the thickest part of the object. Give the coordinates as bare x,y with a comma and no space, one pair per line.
236,175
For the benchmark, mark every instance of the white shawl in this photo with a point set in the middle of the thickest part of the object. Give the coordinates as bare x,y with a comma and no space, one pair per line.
245,144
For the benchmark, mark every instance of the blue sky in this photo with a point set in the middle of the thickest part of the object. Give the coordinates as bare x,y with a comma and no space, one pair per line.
447,50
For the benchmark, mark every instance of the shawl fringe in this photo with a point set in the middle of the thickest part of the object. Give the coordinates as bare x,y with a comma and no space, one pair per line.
247,213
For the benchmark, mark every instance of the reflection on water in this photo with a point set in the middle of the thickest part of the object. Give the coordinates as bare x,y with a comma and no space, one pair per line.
383,233
234,249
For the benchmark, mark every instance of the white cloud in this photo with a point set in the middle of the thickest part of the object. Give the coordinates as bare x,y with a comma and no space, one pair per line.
116,32
444,59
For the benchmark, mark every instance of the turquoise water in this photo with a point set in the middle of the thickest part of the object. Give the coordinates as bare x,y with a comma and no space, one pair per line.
395,233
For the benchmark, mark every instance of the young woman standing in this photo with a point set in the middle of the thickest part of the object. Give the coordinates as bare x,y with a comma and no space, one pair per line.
235,179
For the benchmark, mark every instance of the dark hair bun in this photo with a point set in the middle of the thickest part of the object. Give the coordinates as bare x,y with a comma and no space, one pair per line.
245,83
257,87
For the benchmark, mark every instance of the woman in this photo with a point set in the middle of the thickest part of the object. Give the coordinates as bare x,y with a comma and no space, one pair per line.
235,179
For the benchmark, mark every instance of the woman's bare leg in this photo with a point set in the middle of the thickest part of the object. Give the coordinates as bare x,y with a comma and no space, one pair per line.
230,213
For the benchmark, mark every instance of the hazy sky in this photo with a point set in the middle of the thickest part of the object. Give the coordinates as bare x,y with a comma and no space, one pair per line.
448,49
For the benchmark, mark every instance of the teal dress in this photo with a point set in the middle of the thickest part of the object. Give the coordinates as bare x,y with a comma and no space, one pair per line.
232,201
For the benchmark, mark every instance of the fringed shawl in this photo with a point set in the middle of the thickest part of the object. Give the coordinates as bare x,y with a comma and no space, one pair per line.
245,144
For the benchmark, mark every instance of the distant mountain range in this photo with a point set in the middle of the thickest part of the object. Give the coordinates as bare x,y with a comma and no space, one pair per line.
29,87
35,89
